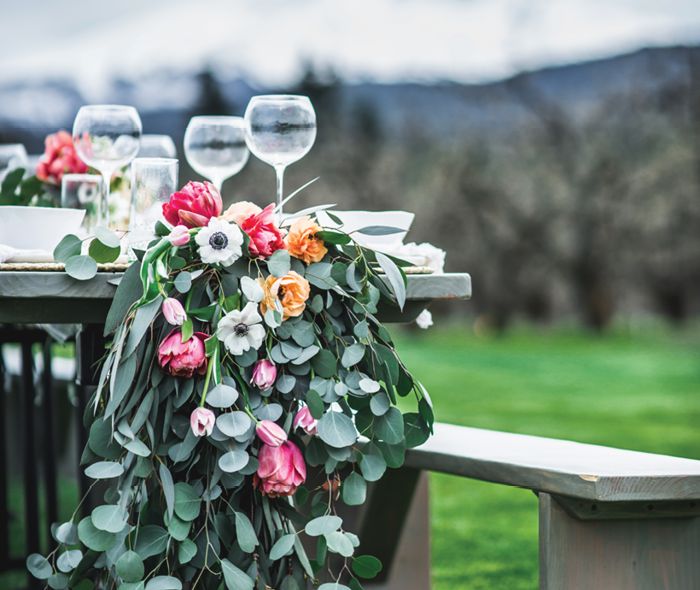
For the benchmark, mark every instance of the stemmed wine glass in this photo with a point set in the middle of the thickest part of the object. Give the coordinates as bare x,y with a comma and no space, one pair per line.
215,147
107,138
280,129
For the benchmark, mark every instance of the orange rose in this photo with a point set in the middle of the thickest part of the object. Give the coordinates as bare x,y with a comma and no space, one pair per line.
302,242
291,291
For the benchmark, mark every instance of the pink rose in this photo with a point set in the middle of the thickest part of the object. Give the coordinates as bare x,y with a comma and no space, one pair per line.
202,421
281,470
173,311
182,359
270,433
239,212
264,374
59,158
265,236
179,236
305,420
193,205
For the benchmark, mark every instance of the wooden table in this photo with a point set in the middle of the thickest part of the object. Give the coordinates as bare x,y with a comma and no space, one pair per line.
54,297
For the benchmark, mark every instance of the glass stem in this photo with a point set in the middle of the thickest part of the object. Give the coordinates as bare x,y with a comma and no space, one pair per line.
218,183
104,203
279,171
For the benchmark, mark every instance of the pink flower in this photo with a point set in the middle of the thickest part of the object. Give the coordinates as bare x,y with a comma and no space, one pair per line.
182,359
193,205
238,212
265,236
264,374
281,470
179,236
59,158
173,311
202,421
305,420
270,433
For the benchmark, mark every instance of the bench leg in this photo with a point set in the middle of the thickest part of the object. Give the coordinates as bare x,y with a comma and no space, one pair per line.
399,534
635,553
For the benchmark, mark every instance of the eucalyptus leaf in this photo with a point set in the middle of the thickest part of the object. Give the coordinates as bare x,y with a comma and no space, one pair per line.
283,546
68,247
164,583
104,470
245,533
235,578
130,567
222,396
109,518
39,566
323,525
354,490
337,430
81,268
279,263
395,276
233,461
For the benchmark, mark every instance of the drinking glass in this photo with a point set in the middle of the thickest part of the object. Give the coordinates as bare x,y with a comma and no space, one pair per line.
107,138
215,147
12,156
280,129
82,191
157,146
153,180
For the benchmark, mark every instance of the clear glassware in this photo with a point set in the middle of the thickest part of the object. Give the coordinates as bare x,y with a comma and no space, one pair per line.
107,137
12,156
157,146
82,191
280,130
215,147
153,180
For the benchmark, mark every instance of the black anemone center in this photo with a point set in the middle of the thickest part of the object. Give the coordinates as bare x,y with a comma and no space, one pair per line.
240,329
218,240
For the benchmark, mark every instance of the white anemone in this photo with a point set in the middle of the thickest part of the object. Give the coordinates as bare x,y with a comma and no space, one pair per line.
241,330
219,242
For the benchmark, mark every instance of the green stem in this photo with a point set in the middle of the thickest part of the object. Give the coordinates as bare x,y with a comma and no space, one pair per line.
210,368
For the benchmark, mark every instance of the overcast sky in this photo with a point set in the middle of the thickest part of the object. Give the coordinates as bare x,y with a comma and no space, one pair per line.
386,40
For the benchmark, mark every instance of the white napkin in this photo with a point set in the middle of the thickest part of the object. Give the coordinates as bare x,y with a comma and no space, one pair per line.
424,254
10,254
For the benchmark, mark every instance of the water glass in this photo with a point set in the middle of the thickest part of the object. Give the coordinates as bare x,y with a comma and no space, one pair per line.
153,180
82,191
12,156
157,146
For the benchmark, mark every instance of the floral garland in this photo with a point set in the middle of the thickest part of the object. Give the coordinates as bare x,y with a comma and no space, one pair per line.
248,390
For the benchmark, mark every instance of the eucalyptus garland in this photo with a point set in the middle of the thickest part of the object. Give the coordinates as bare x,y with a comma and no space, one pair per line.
248,390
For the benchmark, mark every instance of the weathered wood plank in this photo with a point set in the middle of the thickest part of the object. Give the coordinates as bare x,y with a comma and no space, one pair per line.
54,297
643,554
559,467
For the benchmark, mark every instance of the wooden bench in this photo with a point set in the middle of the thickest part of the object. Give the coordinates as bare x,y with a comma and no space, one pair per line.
609,519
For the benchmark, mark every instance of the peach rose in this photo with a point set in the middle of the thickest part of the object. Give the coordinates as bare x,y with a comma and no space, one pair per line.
291,291
239,212
302,242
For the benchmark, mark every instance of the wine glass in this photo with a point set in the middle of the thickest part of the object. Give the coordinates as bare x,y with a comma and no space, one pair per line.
215,147
82,191
106,137
157,146
280,129
12,156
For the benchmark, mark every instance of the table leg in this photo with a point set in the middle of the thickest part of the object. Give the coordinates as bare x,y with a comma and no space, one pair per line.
607,549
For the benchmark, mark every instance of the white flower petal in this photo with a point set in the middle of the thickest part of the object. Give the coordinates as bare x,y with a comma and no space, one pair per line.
235,344
256,335
250,315
251,289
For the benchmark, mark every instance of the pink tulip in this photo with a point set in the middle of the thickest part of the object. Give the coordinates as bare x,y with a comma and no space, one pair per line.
305,420
270,433
193,205
281,470
179,236
202,421
173,311
182,359
264,374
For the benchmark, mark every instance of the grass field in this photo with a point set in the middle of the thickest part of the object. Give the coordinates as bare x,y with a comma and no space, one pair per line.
637,391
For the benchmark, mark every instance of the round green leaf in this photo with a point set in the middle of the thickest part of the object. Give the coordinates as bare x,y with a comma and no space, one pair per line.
323,525
372,466
69,560
339,543
245,533
130,567
104,470
315,403
233,461
39,566
354,490
58,581
186,551
337,430
152,540
178,528
66,533
68,247
109,518
233,423
222,396
102,253
164,583
366,566
107,237
93,538
389,427
282,547
82,268
187,501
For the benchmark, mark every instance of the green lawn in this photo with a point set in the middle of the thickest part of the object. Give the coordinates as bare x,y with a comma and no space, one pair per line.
638,391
